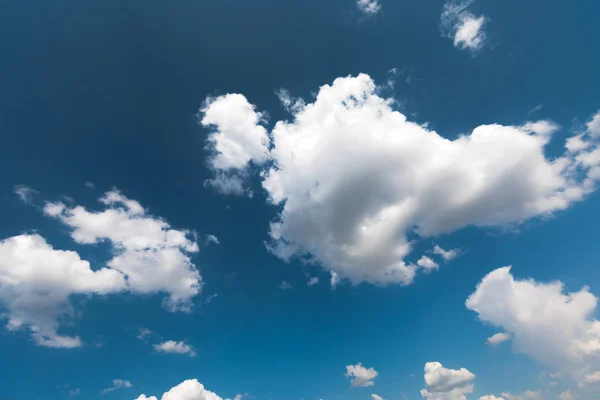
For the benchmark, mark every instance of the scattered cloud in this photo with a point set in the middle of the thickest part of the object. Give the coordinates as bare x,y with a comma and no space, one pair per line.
446,384
376,397
555,328
593,125
75,392
368,7
284,285
153,256
361,376
464,28
592,378
490,397
447,255
208,239
25,193
117,384
187,390
144,333
335,279
567,395
498,338
171,346
89,185
236,140
427,263
313,281
211,298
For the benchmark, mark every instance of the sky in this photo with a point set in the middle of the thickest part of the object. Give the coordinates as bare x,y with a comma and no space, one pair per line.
299,200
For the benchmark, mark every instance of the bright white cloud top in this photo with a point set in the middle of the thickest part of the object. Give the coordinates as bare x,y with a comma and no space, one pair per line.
361,376
171,346
368,7
464,28
354,177
446,384
190,389
555,328
498,338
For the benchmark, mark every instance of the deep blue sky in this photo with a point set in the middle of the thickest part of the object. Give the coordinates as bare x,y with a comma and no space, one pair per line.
107,92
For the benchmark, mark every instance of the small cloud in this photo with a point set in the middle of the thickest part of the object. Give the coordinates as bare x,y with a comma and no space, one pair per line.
368,7
361,376
427,263
208,239
464,28
335,279
211,298
74,392
89,185
117,384
312,281
144,332
25,193
376,397
447,255
284,285
171,346
498,338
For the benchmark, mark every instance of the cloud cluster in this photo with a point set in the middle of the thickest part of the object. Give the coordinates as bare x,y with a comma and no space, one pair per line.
464,28
361,376
446,384
37,281
354,178
555,328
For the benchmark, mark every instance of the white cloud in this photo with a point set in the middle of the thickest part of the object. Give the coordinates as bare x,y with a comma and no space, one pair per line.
25,193
498,338
190,389
446,384
36,282
447,255
313,281
171,346
355,177
592,378
335,280
75,392
211,239
555,328
153,256
464,28
368,7
427,263
284,285
567,395
593,125
361,376
117,384
236,140
490,397
376,397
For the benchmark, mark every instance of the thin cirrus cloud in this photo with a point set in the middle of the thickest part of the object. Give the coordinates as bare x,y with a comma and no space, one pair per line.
464,28
149,257
353,178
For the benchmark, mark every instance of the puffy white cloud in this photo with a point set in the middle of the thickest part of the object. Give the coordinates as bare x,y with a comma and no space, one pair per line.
427,263
446,384
498,338
355,177
171,346
36,282
236,140
368,7
490,397
376,397
313,281
211,239
361,376
555,328
153,256
463,27
594,125
117,384
25,193
592,378
447,255
190,389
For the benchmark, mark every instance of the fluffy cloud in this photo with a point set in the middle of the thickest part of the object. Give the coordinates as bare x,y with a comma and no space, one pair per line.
368,7
376,397
427,263
190,389
153,256
361,376
462,26
446,384
313,281
555,328
117,384
594,125
236,140
491,397
36,282
171,346
355,177
498,338
592,378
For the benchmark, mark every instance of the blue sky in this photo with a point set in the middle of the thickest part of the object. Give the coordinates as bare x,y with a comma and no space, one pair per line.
175,174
